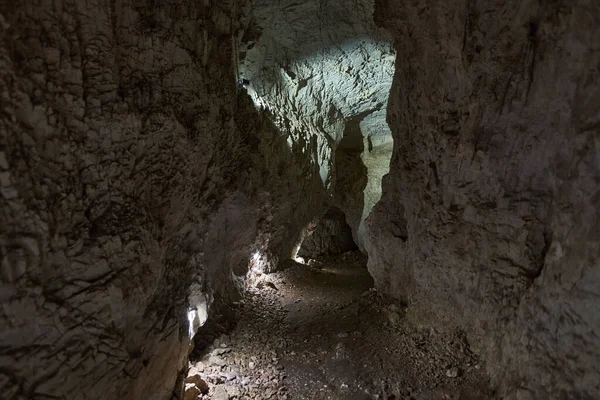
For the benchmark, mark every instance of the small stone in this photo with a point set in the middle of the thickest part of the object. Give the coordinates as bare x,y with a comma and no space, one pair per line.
198,382
220,394
216,360
191,392
230,376
199,367
233,391
452,372
251,365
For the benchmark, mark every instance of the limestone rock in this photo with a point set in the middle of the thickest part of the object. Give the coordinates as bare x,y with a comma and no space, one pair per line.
138,181
331,235
324,71
220,393
489,215
136,184
191,392
198,382
452,372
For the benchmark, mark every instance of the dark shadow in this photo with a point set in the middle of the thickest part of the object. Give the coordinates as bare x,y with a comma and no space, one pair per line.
331,236
351,173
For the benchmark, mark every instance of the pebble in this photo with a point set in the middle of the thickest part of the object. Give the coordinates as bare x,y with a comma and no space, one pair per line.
216,360
233,391
220,394
222,350
452,372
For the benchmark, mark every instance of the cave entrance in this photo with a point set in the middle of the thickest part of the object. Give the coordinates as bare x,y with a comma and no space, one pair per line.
329,236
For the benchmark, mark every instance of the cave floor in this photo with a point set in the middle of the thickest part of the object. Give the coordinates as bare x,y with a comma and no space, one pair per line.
323,332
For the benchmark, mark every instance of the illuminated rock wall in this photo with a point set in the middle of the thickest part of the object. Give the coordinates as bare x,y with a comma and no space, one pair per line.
323,71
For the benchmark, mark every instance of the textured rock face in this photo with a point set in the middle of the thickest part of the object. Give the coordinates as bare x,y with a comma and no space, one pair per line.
331,235
489,215
137,179
323,71
135,184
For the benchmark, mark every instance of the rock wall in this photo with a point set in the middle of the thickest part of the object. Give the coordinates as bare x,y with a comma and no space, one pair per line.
489,215
323,71
136,182
331,235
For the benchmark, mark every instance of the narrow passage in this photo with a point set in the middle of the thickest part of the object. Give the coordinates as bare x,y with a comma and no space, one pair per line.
321,331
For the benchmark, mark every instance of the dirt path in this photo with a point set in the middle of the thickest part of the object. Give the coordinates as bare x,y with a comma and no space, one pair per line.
324,333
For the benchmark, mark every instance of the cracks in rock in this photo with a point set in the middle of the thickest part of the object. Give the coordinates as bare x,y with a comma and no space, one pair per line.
401,231
302,83
548,236
468,25
505,93
433,167
525,68
531,52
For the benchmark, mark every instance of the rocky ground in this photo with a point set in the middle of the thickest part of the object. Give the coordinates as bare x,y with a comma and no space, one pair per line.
322,331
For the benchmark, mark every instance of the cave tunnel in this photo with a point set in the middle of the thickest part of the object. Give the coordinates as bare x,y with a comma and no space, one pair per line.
331,235
326,199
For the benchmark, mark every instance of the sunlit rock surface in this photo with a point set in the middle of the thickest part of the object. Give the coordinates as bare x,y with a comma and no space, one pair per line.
323,72
489,217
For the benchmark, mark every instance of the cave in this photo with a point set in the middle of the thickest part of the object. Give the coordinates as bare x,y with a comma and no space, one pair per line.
331,235
326,199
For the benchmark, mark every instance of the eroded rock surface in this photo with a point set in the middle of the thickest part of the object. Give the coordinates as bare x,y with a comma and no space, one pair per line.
135,183
323,70
138,180
331,235
489,216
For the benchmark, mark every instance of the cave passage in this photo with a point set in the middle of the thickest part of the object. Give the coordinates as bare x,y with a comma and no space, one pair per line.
318,329
299,199
321,331
331,235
